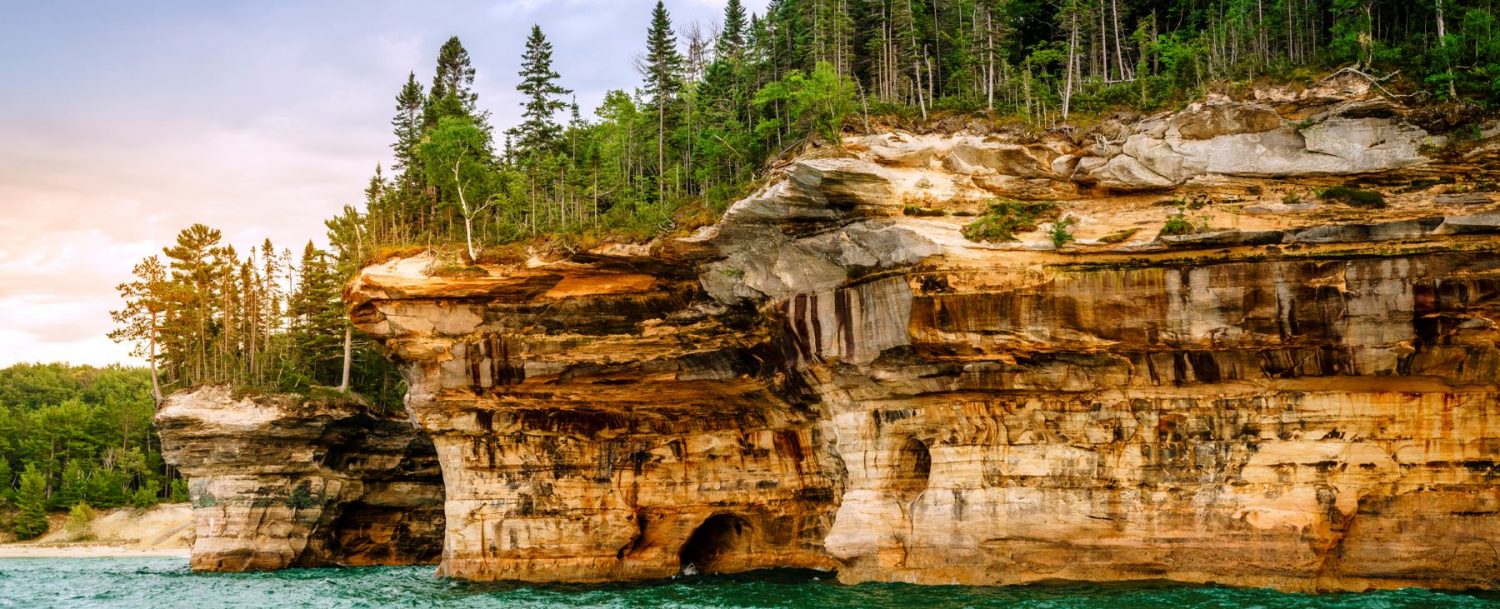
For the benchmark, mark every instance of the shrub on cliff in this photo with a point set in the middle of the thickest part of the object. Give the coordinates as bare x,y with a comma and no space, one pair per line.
1177,224
1006,218
1060,234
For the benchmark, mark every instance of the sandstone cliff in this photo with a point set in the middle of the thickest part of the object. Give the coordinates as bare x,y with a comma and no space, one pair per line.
1305,398
1301,396
285,481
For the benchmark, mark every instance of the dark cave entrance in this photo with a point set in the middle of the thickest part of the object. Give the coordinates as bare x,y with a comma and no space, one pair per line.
718,538
913,470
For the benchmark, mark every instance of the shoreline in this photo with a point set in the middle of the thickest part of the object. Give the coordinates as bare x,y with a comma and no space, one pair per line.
8,550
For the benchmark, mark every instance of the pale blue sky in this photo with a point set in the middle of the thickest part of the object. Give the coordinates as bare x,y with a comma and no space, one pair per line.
122,122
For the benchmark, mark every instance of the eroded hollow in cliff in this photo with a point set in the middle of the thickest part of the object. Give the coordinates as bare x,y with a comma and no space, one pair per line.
719,545
913,470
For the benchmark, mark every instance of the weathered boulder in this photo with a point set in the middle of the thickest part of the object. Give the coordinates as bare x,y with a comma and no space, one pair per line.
898,149
1206,121
282,481
1246,139
969,155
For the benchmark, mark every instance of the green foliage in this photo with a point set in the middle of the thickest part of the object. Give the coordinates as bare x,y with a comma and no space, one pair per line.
1354,197
179,492
919,211
1177,224
85,431
1006,218
452,92
1059,232
7,478
147,495
74,488
541,96
662,64
80,516
814,104
31,499
302,498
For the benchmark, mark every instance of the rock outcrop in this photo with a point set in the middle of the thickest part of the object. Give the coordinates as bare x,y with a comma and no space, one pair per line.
282,481
1295,393
1304,398
1168,150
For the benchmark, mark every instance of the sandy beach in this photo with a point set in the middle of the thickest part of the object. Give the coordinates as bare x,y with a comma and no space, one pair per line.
164,530
25,550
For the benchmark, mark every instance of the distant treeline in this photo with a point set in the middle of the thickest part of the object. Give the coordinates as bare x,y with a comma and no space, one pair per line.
74,435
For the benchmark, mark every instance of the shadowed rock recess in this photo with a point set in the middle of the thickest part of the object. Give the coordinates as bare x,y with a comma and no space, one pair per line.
283,481
1301,394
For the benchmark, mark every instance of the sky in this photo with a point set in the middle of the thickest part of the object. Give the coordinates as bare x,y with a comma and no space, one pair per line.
123,122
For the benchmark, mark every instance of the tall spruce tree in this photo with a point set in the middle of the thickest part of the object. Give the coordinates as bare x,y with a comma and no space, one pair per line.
318,318
732,39
662,67
408,122
31,498
452,92
542,96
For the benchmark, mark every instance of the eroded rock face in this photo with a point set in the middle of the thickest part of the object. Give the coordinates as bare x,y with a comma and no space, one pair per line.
821,381
1161,152
283,481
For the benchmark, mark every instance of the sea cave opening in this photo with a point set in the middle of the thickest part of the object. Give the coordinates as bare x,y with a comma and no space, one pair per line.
711,548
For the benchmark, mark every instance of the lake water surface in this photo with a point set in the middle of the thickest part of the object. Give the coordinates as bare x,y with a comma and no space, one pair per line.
145,583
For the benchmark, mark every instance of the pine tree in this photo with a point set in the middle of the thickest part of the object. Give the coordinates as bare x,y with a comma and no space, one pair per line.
194,261
662,67
74,486
346,236
732,39
408,122
146,301
7,477
452,92
541,96
318,330
31,522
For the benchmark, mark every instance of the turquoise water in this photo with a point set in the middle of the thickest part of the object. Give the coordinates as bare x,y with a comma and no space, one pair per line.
166,582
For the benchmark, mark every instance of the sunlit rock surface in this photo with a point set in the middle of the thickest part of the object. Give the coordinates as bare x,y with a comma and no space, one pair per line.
1302,396
285,481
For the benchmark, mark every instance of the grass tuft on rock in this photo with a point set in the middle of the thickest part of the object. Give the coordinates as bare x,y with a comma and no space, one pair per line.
1006,218
1354,197
1177,224
922,212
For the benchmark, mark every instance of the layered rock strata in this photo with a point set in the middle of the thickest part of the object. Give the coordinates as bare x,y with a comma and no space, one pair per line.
1302,398
282,481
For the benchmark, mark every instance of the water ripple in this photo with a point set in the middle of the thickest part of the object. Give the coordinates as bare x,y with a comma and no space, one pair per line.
149,583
